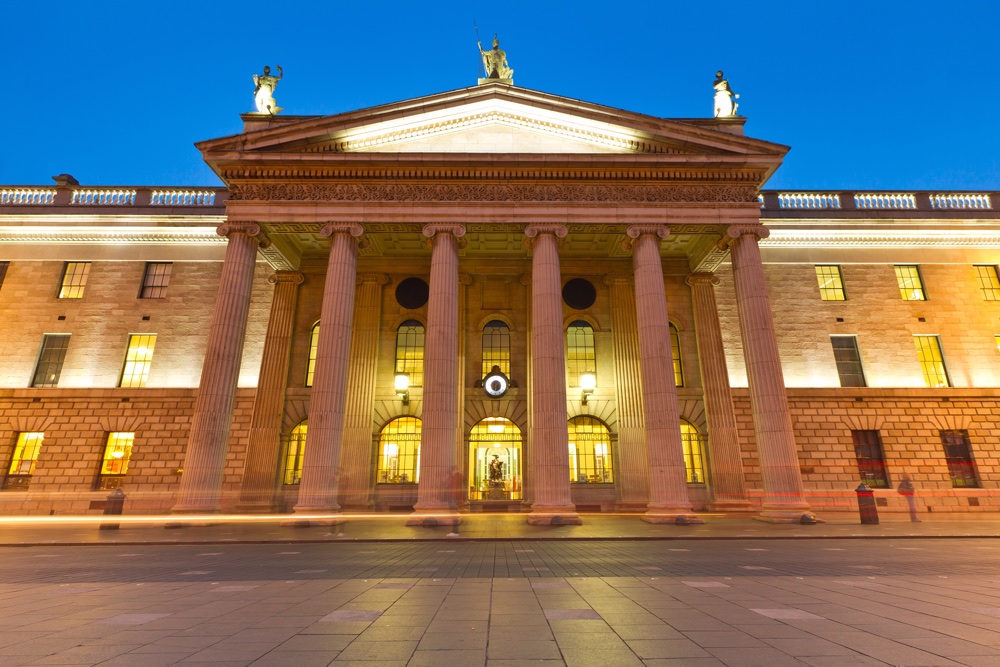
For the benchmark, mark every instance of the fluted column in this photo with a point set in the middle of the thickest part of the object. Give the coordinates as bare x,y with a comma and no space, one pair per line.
436,492
261,466
549,432
321,459
668,496
633,472
728,487
205,458
784,497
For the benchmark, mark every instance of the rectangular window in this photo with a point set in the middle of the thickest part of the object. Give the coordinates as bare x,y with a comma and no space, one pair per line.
958,454
3,271
50,360
139,356
831,283
155,281
996,339
581,357
74,280
22,465
848,358
871,458
932,361
114,465
911,288
989,282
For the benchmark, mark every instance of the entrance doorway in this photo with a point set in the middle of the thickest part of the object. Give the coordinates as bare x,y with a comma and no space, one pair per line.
495,460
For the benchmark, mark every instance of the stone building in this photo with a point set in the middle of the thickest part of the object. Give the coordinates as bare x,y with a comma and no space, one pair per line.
503,300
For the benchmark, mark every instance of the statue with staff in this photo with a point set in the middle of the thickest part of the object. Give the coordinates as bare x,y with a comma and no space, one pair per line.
494,62
263,93
725,107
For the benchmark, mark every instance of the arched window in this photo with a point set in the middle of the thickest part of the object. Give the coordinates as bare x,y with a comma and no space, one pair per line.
410,351
295,446
313,346
496,347
590,451
675,351
694,456
399,452
580,357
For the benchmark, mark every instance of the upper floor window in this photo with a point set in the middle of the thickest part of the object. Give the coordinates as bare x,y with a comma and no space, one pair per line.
871,458
911,288
831,283
958,455
932,360
155,280
675,352
3,271
48,368
496,347
22,464
313,346
848,358
590,451
138,358
114,465
989,281
295,448
580,355
694,452
399,452
74,280
410,352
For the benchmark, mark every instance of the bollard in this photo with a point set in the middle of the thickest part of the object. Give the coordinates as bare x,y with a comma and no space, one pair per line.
113,507
866,505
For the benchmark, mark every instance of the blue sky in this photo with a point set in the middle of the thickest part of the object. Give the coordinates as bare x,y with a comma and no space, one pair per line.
869,95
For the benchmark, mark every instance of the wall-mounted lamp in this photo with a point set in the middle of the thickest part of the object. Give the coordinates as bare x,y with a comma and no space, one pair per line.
402,387
588,382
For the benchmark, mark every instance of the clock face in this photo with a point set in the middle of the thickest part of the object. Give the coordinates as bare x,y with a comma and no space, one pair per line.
495,384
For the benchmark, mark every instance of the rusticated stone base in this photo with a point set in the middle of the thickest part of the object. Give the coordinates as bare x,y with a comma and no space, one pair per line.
788,516
432,520
731,506
676,519
554,519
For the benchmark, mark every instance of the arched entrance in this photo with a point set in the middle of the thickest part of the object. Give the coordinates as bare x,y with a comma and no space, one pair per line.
495,460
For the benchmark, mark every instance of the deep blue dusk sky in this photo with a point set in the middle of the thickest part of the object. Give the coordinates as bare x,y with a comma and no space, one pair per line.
869,95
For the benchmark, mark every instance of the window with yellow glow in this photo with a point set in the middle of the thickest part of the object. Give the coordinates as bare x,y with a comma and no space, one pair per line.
932,361
694,452
496,347
399,452
675,352
74,280
989,281
295,447
831,283
996,339
911,288
139,356
590,452
410,351
313,346
114,465
22,464
580,354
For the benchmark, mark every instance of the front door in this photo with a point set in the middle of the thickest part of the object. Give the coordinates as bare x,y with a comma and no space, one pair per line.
495,460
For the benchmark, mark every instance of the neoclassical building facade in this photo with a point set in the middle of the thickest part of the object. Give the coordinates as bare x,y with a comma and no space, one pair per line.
496,299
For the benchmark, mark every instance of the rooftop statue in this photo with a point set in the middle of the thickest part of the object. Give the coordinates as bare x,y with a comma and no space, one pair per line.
264,91
724,105
495,63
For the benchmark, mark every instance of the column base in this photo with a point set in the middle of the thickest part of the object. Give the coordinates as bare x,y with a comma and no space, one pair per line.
553,517
676,518
731,506
803,516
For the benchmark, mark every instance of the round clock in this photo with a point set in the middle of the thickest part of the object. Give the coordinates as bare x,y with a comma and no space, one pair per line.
496,384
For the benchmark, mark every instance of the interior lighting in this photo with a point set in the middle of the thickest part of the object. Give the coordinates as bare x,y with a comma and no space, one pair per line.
588,382
402,386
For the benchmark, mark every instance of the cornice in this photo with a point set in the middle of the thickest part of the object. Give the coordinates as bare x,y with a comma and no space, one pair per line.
798,238
119,236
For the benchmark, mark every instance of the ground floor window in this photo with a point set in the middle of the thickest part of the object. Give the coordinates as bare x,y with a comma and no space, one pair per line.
958,454
294,449
114,465
399,452
495,460
590,451
22,464
694,452
871,458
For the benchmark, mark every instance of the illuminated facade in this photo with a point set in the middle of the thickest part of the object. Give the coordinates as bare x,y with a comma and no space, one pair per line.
502,300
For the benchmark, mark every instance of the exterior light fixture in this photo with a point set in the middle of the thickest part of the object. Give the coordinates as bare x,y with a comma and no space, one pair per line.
588,382
402,386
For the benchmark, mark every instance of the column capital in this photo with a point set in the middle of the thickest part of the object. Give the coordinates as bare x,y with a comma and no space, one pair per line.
286,277
635,231
380,278
251,229
560,231
702,279
458,231
331,229
618,279
734,232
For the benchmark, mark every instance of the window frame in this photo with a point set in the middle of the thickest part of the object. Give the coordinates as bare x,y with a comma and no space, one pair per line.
409,357
580,363
295,447
872,469
4,265
20,480
154,285
962,470
313,351
137,380
675,353
926,365
834,273
591,451
73,284
404,430
907,292
989,283
52,366
109,478
496,347
843,372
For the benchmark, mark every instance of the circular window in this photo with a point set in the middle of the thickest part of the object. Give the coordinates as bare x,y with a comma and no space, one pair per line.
411,293
579,294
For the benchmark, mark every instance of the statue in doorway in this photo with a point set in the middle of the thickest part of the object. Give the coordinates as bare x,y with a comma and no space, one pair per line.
263,93
724,96
496,471
495,62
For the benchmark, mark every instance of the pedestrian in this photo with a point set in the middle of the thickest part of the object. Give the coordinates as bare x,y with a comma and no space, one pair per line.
907,490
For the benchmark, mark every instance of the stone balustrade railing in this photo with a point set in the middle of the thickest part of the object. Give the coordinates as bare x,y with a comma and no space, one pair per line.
112,196
773,201
26,196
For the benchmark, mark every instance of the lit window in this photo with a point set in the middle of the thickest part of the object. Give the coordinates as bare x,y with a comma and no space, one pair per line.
313,347
675,352
74,280
22,464
139,356
3,271
871,458
989,282
932,361
295,447
590,451
958,454
911,288
694,452
496,347
50,360
996,339
399,452
580,355
115,463
848,358
831,284
155,281
410,351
